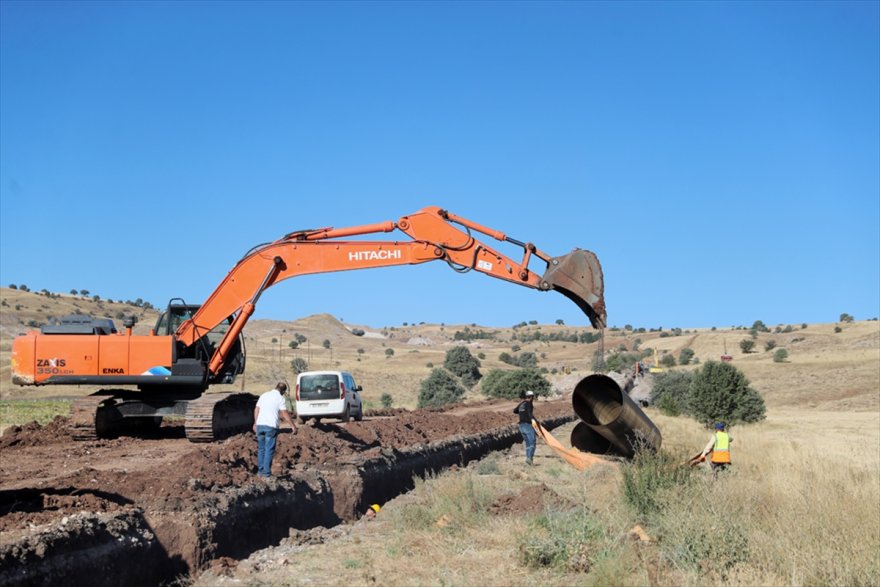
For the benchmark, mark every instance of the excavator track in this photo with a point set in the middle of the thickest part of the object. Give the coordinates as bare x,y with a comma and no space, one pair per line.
91,418
215,416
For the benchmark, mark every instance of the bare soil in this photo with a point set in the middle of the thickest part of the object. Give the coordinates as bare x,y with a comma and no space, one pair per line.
67,505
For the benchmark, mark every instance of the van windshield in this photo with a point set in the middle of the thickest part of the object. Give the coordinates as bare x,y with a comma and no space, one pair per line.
324,386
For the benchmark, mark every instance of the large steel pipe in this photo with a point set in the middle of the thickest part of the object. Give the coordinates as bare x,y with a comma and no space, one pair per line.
604,407
585,439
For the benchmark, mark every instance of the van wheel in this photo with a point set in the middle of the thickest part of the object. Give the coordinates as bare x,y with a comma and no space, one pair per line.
360,415
346,413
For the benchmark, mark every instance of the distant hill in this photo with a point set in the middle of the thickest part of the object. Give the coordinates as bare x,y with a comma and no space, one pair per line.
824,368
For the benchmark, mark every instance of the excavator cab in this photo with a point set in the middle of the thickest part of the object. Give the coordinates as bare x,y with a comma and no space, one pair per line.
193,359
171,319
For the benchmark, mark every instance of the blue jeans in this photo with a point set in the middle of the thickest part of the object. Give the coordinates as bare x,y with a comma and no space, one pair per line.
266,439
528,434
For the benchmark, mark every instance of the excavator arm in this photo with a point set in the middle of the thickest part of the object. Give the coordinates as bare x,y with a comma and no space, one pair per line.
435,235
168,366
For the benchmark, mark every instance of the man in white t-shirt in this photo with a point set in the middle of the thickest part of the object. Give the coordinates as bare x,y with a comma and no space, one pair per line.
270,406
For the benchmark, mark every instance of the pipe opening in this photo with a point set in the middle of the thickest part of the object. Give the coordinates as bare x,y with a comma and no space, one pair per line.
598,400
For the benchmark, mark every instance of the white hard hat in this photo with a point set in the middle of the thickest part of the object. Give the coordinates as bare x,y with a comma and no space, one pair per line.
530,393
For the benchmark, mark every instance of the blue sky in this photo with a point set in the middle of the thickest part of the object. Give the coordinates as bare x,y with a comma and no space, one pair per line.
722,159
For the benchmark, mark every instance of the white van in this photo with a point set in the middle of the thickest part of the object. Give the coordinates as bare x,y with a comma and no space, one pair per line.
328,394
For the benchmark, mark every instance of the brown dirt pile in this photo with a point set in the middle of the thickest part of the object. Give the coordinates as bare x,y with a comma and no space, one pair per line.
532,500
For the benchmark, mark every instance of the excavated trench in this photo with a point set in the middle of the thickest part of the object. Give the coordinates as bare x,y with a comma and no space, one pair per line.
153,511
105,526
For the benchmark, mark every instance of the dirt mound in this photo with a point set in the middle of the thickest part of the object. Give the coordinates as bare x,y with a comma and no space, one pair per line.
32,434
534,499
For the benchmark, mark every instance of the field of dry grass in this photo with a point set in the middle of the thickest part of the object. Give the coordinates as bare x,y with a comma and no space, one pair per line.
825,369
802,506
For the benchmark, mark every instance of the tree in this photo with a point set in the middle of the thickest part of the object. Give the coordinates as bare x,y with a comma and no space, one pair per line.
293,344
846,317
667,360
299,365
560,321
73,292
389,352
684,358
459,361
23,287
746,345
439,389
386,400
83,292
513,384
780,356
670,392
769,345
326,343
720,392
361,351
274,340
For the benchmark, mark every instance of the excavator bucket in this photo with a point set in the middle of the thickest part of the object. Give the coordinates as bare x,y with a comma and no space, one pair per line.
578,276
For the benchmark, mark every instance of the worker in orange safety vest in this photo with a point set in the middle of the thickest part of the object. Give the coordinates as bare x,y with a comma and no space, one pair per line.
719,447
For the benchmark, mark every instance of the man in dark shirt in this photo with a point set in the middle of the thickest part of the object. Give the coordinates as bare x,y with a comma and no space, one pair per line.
526,414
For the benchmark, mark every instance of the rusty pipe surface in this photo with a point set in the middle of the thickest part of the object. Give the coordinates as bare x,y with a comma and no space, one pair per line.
608,411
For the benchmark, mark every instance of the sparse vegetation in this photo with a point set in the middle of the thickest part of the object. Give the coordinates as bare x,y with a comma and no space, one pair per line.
780,356
439,389
746,345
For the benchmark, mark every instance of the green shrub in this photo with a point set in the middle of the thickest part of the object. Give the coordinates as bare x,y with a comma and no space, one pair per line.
780,356
299,365
386,400
621,362
389,352
667,360
670,392
746,345
439,389
459,361
513,384
684,358
720,392
769,345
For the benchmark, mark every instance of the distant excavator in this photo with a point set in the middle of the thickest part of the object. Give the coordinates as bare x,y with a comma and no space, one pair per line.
195,346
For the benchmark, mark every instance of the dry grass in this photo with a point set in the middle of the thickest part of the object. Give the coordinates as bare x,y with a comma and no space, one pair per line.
801,507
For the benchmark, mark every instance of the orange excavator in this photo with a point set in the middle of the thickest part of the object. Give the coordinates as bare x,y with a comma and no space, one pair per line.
193,347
